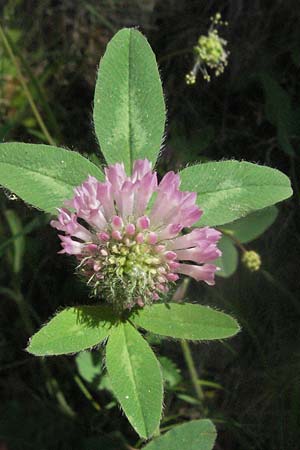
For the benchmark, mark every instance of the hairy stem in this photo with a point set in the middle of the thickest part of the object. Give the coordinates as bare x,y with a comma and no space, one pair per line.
179,296
86,393
192,369
233,238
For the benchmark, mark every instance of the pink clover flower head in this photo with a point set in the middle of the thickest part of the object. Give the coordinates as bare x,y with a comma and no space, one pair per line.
126,234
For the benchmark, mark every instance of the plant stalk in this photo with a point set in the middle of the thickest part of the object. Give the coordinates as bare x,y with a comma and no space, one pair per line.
23,82
179,296
192,369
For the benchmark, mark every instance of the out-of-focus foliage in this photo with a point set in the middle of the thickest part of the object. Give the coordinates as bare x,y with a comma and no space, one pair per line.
251,387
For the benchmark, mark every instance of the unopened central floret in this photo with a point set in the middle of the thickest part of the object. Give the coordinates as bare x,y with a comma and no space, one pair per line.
127,263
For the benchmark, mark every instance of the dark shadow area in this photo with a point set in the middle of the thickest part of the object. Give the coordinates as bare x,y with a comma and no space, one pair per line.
95,316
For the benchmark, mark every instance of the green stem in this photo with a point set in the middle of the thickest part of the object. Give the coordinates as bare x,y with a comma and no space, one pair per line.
55,390
17,297
179,296
86,393
192,369
35,83
25,87
269,277
233,238
156,432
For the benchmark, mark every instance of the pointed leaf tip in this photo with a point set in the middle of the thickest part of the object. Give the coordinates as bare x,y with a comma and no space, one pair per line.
72,330
136,378
186,321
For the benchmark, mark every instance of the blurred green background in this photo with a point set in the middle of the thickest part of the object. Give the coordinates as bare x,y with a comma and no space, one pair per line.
251,383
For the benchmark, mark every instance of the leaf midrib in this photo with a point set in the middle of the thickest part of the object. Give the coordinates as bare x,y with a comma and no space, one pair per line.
130,140
54,340
59,180
245,187
191,323
134,380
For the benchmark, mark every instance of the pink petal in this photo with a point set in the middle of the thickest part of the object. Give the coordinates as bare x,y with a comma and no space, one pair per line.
105,196
167,198
139,238
140,168
144,190
169,232
97,219
170,181
117,222
170,255
103,236
124,199
143,222
173,265
206,252
200,273
172,276
194,237
67,222
130,229
70,247
187,216
116,175
160,248
116,234
152,238
164,206
172,205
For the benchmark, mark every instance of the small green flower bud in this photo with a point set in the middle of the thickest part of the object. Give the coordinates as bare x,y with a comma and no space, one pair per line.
252,260
190,78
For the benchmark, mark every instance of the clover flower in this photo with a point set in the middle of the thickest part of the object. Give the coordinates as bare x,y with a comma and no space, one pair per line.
210,52
126,234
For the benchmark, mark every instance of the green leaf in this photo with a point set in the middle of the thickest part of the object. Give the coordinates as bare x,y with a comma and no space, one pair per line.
89,365
278,101
105,384
129,110
279,111
252,226
91,369
170,372
188,399
16,228
229,260
193,435
136,379
42,175
73,330
284,139
185,321
228,190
